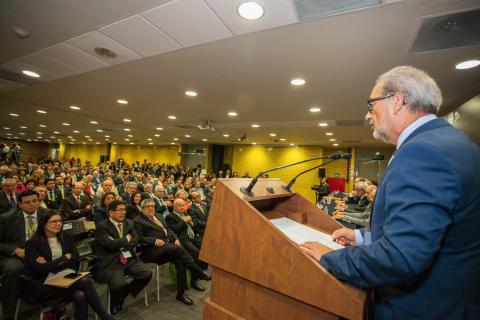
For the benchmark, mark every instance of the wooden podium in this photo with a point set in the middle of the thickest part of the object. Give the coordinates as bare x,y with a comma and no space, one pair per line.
259,273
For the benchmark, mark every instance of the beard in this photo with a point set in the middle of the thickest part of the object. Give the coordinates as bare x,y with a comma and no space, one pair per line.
381,132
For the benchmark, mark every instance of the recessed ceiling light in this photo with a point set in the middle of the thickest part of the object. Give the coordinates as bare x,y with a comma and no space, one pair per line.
150,143
332,139
283,139
83,142
292,144
335,144
126,139
250,10
191,93
149,139
127,120
298,82
468,64
6,128
13,114
56,132
22,133
38,132
131,142
30,73
74,108
329,134
23,127
226,135
107,136
157,135
232,114
187,136
159,128
130,136
272,134
254,143
42,111
87,136
172,117
126,129
99,130
122,101
254,125
172,142
9,134
65,123
97,142
76,131
323,124
93,122
70,137
314,109
42,125
204,140
175,139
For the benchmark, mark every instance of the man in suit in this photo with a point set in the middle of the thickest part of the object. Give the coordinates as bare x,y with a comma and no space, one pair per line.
115,241
182,224
161,245
77,205
130,190
8,196
64,191
16,227
421,251
148,191
199,212
355,219
161,206
53,198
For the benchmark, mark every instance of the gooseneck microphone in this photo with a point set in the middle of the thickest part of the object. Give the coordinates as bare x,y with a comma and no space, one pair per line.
335,156
290,184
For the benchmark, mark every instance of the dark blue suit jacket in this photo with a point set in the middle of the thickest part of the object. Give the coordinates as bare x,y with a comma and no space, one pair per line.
424,259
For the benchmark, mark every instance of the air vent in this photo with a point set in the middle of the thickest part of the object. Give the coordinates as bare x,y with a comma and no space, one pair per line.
349,123
17,78
314,9
454,30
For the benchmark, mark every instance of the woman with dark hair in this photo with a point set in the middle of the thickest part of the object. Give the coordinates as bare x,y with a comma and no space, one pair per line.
67,182
50,253
101,213
134,208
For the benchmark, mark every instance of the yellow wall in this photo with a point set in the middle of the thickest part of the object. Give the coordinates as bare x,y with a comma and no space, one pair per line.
161,154
85,152
255,159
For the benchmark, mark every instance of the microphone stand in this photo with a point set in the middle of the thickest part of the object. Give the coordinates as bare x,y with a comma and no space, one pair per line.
290,184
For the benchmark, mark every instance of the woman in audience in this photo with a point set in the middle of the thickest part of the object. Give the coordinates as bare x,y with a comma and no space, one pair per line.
51,253
67,182
19,186
101,212
134,208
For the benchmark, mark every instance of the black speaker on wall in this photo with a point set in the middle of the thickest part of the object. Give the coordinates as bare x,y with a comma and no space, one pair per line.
321,172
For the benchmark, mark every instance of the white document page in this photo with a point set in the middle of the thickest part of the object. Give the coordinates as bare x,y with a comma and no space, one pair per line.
300,233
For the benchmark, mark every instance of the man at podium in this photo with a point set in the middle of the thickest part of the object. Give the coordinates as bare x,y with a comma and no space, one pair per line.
421,252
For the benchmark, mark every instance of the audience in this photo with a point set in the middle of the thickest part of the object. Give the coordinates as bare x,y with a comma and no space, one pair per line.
134,209
77,205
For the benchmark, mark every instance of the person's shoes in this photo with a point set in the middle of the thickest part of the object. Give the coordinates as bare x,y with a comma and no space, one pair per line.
197,286
185,299
204,276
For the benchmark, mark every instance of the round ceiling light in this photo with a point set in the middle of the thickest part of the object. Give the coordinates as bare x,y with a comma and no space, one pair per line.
468,64
191,93
30,73
232,114
314,109
122,101
298,82
250,10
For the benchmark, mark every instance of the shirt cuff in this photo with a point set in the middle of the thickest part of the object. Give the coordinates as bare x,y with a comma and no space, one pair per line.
358,237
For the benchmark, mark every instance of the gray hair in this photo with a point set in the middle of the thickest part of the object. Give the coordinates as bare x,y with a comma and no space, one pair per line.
421,92
144,202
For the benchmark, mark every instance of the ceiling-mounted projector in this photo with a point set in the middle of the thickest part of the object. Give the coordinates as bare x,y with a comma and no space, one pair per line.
207,125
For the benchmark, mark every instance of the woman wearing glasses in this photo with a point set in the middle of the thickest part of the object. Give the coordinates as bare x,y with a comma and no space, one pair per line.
51,253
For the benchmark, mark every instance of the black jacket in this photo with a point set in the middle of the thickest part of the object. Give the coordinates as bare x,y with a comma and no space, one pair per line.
148,232
199,219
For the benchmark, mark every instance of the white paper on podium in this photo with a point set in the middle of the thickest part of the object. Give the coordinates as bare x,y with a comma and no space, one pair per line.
300,233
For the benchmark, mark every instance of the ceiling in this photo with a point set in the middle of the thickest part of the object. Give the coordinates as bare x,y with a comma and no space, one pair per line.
164,48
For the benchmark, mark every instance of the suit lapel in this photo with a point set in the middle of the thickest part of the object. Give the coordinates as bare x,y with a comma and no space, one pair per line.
21,223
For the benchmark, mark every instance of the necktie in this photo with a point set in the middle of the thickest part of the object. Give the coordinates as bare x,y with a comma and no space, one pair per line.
201,208
78,201
13,203
61,191
123,260
30,226
52,196
158,223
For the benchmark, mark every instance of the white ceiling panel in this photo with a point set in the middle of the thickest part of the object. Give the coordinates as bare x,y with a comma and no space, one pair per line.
140,35
6,85
89,41
190,22
48,64
277,13
74,57
17,67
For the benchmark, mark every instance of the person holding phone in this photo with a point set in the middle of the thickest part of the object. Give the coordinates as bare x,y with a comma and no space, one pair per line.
51,253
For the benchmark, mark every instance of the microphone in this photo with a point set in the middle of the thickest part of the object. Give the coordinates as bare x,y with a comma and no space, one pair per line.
290,184
335,156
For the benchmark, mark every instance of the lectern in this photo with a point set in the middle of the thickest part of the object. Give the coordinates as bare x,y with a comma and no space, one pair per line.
257,271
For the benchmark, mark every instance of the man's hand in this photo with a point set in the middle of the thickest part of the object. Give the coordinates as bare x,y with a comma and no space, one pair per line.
177,242
129,237
19,252
167,203
338,215
119,198
344,236
41,260
187,219
68,256
314,249
88,206
159,243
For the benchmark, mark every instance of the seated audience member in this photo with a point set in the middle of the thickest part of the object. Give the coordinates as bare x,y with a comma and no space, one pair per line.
161,206
77,205
134,209
360,201
30,184
49,253
182,194
130,188
105,187
16,227
197,187
177,187
360,218
64,191
148,191
8,196
19,186
101,212
115,241
198,210
182,224
162,245
53,198
42,193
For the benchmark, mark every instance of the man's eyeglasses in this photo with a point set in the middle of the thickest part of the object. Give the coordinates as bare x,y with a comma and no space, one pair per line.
371,102
121,210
